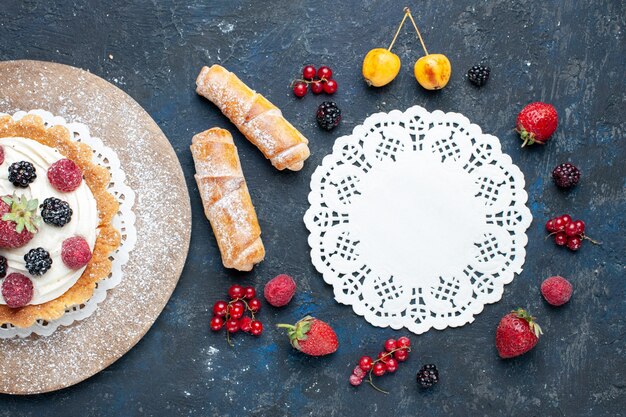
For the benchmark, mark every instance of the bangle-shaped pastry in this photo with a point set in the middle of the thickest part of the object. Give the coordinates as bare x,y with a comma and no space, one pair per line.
260,121
226,200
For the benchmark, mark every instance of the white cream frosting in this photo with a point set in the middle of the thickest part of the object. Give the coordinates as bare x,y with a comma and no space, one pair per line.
59,278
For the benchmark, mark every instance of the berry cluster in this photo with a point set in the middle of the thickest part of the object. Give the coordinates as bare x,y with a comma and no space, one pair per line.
320,80
566,175
328,115
387,362
232,314
568,232
428,376
478,75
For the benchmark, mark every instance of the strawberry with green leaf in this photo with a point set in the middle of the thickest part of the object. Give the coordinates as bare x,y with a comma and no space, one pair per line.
516,334
312,336
18,221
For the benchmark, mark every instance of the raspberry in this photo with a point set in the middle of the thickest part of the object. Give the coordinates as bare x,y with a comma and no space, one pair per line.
1,155
279,291
556,290
65,175
17,290
75,252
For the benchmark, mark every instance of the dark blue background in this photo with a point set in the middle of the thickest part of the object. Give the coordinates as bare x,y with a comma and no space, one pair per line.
569,53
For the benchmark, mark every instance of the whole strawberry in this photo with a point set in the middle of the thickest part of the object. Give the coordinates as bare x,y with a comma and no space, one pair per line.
516,334
536,123
18,221
312,336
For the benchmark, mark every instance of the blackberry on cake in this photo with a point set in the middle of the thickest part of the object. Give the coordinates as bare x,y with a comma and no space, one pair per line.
38,261
3,267
56,212
22,173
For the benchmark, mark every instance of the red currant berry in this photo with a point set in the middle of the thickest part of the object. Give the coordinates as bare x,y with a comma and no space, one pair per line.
317,87
358,371
232,325
391,365
566,218
365,363
559,224
401,355
236,311
235,291
244,324
255,305
379,369
308,72
580,226
390,344
330,86
256,328
216,323
560,238
403,342
324,73
355,380
550,226
571,229
383,356
300,89
574,243
249,293
219,308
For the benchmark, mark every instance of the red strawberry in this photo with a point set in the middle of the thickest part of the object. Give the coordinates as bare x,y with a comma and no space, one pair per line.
536,123
18,221
279,290
312,336
516,334
556,290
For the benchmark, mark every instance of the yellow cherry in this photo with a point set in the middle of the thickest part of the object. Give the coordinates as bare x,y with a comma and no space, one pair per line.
380,67
433,71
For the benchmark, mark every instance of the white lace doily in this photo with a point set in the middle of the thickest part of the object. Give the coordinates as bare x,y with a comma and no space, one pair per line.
124,222
418,219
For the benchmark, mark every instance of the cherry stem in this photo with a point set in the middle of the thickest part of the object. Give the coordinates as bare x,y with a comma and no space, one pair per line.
419,35
407,12
370,380
595,242
227,316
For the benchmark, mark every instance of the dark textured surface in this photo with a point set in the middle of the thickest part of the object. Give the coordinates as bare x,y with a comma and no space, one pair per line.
569,53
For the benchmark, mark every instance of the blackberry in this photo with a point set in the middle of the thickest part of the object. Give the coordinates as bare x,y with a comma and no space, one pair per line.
478,75
428,376
566,175
3,267
22,173
56,212
328,115
38,261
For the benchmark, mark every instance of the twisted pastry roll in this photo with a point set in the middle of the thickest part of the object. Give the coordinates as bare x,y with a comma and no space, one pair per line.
260,121
226,200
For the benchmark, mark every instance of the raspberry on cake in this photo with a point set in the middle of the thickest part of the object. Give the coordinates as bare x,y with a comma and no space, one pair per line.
55,230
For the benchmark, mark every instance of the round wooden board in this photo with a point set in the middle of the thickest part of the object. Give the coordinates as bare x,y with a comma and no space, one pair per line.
74,353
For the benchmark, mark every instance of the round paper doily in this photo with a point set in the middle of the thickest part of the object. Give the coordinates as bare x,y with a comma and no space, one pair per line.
418,219
124,222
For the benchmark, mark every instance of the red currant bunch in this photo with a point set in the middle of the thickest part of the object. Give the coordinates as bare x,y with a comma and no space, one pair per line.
568,232
319,80
396,351
232,315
